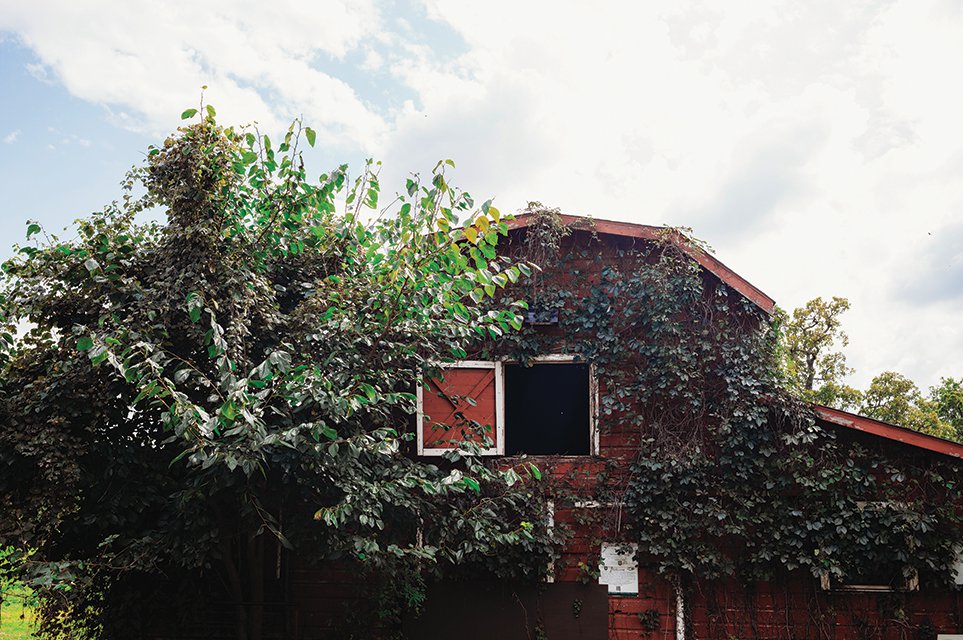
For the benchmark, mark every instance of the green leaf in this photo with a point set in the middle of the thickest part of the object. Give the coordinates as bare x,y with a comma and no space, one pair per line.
228,410
473,484
210,112
33,228
194,306
535,471
310,135
84,343
188,113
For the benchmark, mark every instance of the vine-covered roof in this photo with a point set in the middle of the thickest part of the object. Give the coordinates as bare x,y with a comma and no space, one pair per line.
648,232
761,300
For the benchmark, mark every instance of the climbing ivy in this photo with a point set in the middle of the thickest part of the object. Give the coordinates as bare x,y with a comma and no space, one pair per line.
732,475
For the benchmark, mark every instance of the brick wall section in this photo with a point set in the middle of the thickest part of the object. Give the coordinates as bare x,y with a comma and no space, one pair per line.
630,616
587,526
799,609
795,610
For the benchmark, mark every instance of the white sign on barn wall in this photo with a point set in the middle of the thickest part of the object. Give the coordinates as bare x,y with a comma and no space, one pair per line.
618,568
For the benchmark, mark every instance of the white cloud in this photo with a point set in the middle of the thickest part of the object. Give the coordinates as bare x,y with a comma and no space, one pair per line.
816,145
11,137
153,58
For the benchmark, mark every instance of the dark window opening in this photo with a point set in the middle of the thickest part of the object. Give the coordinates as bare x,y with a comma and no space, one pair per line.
547,409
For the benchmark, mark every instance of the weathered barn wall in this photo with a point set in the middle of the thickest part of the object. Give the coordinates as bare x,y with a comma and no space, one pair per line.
587,507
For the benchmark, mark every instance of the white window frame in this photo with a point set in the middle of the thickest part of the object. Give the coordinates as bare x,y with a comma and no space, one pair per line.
499,426
910,583
498,366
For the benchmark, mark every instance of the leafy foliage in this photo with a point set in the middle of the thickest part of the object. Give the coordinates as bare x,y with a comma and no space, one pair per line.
817,367
894,398
947,397
813,336
187,396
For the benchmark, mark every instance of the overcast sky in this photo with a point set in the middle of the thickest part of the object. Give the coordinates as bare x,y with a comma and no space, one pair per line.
817,146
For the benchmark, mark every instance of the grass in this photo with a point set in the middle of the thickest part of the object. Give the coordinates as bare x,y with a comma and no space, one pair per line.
12,625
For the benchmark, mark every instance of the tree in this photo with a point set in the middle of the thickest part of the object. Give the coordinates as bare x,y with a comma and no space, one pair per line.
894,398
816,367
947,397
188,397
813,336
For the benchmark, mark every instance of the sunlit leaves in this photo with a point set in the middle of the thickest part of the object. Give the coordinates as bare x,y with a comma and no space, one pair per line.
261,345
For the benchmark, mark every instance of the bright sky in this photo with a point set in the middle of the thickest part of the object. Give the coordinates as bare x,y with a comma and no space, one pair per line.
818,145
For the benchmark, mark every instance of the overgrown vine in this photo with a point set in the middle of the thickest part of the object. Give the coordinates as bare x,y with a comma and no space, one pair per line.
730,476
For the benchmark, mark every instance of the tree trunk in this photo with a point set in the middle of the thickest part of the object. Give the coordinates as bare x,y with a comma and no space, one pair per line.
810,372
255,572
237,592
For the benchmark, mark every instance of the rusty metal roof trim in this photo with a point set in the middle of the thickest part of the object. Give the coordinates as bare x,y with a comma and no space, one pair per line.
647,232
889,431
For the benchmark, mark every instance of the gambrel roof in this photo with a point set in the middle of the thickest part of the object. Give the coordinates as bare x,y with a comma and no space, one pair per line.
648,232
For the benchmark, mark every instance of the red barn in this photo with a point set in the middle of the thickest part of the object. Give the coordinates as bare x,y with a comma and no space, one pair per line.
562,410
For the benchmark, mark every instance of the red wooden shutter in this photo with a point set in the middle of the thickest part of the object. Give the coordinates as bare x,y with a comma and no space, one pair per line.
447,415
